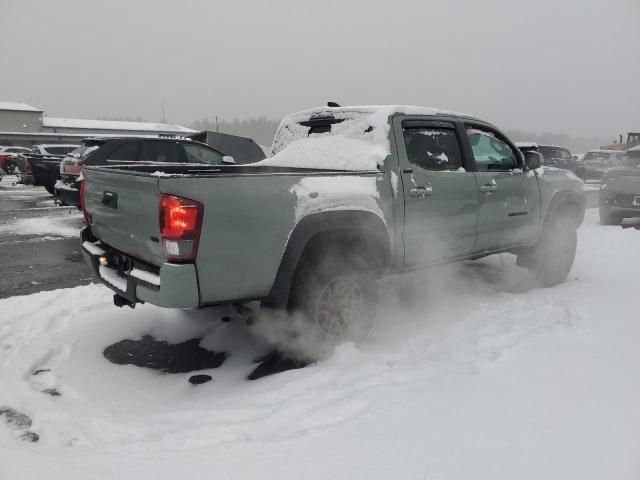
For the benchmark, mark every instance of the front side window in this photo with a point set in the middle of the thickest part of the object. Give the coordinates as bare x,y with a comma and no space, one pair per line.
433,148
491,153
199,154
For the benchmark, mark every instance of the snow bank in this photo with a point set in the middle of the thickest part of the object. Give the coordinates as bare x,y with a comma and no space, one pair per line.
67,226
468,373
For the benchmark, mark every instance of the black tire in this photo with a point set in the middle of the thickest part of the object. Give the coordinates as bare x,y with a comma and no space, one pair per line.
336,294
555,251
50,189
607,217
10,167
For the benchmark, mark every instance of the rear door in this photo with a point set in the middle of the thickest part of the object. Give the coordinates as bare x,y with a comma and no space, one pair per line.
509,212
440,196
123,210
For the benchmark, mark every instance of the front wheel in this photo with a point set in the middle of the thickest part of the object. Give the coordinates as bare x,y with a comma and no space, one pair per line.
336,294
10,167
50,189
555,251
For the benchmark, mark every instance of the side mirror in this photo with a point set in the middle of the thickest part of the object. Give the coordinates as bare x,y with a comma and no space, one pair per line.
228,160
533,160
575,157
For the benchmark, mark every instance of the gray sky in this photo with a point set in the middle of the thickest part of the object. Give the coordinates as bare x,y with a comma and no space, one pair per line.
567,66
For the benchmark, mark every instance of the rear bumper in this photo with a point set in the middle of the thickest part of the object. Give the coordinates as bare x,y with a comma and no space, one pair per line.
623,205
68,196
173,286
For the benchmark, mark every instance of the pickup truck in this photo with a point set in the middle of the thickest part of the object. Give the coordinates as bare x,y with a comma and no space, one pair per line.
349,194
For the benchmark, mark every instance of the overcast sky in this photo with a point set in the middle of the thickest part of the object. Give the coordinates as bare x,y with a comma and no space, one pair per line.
567,66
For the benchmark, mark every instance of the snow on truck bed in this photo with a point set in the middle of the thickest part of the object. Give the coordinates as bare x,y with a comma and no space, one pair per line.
467,374
359,142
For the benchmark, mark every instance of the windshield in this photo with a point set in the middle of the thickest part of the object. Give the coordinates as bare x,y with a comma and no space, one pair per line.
83,151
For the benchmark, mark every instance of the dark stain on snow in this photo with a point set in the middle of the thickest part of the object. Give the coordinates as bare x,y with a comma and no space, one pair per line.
276,362
19,421
199,379
167,357
53,392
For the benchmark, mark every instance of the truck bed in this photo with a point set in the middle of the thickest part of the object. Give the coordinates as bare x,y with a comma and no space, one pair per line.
249,214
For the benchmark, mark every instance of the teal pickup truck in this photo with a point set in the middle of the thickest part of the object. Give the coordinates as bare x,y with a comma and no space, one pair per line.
349,194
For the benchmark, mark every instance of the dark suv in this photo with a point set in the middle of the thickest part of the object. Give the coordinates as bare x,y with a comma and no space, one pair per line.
553,155
620,190
107,151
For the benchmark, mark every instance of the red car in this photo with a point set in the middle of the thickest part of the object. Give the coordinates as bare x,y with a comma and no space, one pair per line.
8,157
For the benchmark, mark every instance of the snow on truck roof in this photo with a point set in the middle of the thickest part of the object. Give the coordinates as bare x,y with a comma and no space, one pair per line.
357,139
386,110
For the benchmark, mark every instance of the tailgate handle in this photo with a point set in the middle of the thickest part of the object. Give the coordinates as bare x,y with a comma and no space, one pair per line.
110,199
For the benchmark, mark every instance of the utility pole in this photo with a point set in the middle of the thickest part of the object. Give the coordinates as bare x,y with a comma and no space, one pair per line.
164,118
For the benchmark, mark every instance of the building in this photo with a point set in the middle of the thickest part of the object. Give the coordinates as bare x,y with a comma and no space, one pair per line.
24,125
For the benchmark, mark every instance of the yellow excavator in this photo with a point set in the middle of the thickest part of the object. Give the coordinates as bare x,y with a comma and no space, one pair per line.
633,139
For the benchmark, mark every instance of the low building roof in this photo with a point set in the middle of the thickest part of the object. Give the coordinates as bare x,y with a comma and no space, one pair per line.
82,124
18,107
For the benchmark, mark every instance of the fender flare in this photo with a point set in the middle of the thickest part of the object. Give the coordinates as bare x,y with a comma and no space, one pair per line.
363,222
567,199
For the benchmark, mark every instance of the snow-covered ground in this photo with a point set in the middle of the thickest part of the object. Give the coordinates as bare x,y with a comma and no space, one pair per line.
468,373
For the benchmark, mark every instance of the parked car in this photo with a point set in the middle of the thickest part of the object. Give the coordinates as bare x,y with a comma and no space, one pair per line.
620,190
53,149
9,156
105,151
41,170
596,162
383,190
554,156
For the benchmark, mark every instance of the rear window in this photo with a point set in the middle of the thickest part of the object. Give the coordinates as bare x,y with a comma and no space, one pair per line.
370,127
163,152
62,150
200,154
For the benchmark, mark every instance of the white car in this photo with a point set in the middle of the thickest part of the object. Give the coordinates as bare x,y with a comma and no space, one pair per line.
54,149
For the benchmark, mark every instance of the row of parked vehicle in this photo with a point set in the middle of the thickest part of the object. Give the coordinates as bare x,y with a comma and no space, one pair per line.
589,167
58,168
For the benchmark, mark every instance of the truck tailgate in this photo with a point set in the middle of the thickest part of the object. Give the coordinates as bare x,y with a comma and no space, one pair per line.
124,212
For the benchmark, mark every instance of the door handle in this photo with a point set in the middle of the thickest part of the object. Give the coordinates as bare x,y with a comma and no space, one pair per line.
489,188
421,191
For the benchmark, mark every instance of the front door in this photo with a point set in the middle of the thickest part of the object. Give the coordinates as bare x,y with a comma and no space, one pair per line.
509,198
441,197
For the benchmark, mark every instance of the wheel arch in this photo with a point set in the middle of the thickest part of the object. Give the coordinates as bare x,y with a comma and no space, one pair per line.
361,232
569,203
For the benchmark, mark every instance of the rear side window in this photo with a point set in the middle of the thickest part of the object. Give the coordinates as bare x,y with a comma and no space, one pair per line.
159,152
199,154
433,148
490,152
124,153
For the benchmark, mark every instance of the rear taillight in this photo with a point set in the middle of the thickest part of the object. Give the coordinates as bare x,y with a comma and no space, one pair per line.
82,203
180,223
71,169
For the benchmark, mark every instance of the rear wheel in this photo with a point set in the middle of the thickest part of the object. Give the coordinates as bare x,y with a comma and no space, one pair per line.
10,167
607,217
336,294
555,251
